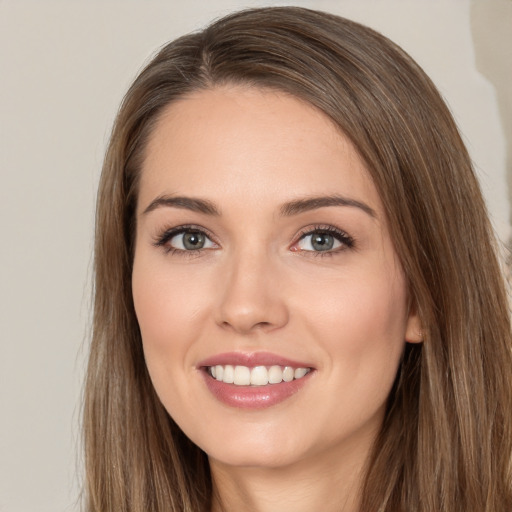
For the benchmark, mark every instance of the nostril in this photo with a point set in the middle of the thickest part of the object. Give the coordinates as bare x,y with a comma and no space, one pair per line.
247,326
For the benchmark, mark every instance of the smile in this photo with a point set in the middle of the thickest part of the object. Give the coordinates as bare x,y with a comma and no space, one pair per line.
256,376
256,380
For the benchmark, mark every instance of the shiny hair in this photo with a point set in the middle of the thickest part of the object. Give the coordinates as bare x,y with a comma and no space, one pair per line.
446,440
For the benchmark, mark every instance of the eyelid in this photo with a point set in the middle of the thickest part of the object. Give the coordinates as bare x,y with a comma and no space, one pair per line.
346,241
164,236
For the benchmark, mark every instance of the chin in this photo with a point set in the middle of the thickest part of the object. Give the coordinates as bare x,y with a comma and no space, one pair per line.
253,458
262,448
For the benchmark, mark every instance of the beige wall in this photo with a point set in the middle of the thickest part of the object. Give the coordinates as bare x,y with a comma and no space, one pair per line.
64,67
491,28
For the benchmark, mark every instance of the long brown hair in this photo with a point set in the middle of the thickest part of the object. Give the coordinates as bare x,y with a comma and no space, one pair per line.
446,442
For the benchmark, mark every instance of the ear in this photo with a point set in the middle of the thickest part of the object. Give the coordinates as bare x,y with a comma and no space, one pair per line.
413,328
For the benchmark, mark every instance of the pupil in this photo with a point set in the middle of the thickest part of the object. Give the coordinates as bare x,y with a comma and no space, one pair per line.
193,240
322,242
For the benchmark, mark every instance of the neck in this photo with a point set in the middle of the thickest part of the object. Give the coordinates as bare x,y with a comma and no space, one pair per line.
299,487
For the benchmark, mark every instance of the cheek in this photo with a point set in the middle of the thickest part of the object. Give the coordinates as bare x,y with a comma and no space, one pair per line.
167,310
360,321
167,304
173,307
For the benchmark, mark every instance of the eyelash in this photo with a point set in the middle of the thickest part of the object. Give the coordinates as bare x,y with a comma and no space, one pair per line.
347,242
163,239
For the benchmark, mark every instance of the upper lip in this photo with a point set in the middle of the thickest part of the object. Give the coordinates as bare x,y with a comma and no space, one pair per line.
251,360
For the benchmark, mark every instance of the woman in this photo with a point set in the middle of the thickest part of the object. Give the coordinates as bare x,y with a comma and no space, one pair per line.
297,302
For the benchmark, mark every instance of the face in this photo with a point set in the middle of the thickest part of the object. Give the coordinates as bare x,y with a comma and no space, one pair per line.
272,306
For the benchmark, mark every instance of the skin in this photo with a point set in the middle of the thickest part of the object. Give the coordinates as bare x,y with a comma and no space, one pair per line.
260,286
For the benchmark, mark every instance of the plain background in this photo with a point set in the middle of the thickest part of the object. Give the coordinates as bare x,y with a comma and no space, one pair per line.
64,68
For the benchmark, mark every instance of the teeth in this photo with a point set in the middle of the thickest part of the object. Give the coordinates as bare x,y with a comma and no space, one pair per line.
300,372
288,374
242,376
229,374
257,376
275,375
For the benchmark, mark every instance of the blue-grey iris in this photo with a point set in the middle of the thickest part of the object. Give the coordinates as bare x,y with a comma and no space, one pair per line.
322,241
193,240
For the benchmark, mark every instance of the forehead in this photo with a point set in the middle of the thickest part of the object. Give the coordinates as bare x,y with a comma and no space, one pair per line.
234,141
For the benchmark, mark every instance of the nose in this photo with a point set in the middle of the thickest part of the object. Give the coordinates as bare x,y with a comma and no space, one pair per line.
251,297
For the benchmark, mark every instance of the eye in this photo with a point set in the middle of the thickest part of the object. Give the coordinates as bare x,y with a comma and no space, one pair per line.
318,242
324,240
185,239
190,240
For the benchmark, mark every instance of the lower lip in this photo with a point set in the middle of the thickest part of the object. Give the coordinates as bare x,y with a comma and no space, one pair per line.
253,397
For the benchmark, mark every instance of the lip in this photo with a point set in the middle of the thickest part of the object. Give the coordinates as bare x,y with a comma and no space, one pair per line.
252,359
252,397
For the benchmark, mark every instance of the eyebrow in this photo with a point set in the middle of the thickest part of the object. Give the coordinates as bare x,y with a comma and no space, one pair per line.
288,209
187,203
312,203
